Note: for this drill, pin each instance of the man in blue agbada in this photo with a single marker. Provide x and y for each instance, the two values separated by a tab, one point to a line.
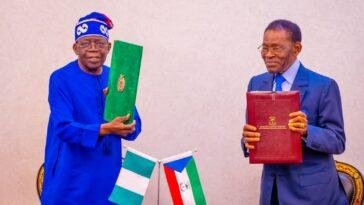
83	152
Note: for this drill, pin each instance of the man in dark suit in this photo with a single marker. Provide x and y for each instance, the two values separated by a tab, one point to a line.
320	123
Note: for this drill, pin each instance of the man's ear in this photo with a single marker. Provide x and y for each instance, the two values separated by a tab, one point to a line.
109	47
297	48
75	49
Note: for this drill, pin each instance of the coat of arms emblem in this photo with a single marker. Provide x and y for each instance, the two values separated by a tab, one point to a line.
121	83
272	121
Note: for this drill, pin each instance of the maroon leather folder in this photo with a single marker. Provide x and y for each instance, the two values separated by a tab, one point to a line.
269	112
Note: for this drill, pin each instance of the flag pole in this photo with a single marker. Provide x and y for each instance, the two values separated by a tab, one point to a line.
159	172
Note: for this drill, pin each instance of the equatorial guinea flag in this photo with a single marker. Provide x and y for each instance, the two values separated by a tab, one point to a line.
183	180
133	179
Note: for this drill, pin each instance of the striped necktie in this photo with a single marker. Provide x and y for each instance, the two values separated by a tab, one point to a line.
279	79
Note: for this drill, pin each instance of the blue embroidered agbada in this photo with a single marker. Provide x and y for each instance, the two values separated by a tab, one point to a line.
80	166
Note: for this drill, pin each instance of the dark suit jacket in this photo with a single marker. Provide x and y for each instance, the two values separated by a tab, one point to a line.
315	181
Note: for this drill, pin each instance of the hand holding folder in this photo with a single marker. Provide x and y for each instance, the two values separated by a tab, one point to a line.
117	126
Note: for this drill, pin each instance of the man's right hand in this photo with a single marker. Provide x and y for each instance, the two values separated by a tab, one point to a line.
250	135
118	127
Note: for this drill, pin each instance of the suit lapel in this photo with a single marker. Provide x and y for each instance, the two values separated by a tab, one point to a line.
300	82
267	83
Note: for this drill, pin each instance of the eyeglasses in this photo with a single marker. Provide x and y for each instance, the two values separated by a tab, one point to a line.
274	49
86	45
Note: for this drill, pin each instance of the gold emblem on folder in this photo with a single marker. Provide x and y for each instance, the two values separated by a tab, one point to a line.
121	83
272	124
272	121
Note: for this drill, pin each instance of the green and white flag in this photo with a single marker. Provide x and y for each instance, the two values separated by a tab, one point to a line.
133	179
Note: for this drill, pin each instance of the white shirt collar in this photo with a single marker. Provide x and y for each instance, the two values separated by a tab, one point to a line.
291	72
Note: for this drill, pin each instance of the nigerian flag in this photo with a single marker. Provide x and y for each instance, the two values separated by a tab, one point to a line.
133	179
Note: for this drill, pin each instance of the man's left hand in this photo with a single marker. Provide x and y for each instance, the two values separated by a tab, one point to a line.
298	122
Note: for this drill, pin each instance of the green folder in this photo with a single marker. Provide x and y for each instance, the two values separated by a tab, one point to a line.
123	80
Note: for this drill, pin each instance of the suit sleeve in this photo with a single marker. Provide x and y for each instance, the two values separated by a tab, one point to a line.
63	124
328	134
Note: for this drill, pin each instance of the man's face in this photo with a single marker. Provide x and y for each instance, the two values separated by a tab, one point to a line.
278	50
91	52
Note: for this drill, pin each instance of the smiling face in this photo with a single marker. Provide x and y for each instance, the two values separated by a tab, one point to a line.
278	50
92	52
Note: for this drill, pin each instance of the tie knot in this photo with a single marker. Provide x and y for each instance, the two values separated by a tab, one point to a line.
279	79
